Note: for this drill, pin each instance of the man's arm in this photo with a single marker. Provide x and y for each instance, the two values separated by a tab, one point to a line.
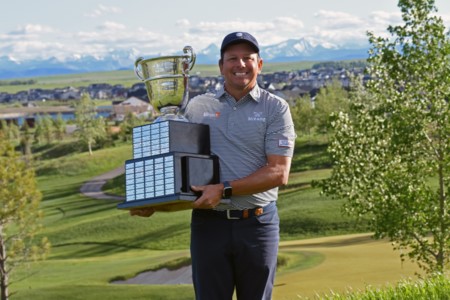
274	174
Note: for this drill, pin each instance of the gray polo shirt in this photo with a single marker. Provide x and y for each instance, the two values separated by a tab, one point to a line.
243	133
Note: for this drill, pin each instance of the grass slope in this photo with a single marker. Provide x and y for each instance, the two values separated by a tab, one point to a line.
93	242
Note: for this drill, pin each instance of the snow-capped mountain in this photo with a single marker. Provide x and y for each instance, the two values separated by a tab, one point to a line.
289	50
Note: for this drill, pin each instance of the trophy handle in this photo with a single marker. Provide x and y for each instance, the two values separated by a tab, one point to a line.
138	68
189	59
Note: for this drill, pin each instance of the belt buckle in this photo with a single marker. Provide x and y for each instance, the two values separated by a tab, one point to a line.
229	217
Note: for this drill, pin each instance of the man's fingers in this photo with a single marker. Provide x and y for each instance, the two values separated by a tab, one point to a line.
142	212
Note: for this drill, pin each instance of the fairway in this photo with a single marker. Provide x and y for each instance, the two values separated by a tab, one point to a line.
93	243
351	261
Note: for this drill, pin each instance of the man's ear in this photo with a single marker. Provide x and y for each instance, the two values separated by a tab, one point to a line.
260	65
220	65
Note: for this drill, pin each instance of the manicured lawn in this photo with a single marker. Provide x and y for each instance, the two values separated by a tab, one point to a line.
94	243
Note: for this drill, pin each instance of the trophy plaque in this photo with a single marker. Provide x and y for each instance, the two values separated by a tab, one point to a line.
170	154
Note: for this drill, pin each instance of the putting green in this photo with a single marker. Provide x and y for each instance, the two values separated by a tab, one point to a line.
350	262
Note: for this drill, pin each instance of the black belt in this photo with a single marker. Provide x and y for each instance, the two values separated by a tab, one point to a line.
234	214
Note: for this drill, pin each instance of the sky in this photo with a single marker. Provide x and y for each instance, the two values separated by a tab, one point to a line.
32	29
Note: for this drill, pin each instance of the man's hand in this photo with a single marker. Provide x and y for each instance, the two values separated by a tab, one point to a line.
210	196
142	212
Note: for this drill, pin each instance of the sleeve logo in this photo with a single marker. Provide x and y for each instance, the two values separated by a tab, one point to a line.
285	143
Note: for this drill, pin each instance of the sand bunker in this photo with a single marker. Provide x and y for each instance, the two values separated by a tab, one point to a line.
162	276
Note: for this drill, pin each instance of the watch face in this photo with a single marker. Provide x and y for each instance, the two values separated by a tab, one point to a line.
227	190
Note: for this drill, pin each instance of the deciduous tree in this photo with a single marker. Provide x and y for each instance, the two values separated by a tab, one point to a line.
19	215
89	127
392	151
330	99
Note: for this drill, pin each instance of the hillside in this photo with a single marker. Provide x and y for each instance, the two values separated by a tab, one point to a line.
94	243
124	77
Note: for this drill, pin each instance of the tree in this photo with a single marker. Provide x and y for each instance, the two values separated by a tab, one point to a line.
59	126
26	140
19	215
126	127
391	153
10	131
303	115
89	127
48	128
330	99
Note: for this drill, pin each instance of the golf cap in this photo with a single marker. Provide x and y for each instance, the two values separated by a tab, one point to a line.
239	37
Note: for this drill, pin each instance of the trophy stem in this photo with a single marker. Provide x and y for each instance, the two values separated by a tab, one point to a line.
170	113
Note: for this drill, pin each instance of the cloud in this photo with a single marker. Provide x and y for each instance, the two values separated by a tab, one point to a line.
338	20
31	29
111	26
183	23
267	32
288	24
330	28
102	10
25	49
379	20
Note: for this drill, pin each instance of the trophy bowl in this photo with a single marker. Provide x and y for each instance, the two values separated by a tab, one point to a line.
166	82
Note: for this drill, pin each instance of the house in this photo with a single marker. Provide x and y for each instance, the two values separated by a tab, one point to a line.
132	105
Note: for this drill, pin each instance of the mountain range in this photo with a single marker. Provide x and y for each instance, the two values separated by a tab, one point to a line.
287	51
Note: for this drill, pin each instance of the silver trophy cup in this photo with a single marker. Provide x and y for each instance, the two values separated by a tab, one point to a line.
168	156
166	81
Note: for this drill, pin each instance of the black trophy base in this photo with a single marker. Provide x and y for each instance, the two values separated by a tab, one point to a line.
166	203
164	182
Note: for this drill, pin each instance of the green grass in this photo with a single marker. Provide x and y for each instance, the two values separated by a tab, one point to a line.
94	243
435	288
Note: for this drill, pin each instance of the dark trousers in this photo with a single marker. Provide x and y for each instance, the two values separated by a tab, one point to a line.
234	254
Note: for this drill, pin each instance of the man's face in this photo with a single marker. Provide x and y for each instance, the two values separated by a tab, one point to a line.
240	67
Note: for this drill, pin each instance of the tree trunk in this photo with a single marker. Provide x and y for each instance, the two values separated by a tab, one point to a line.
3	271
90	148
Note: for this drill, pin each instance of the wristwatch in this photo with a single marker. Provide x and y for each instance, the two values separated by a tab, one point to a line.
227	190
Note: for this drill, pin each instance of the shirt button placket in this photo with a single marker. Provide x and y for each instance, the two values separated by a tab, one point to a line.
232	120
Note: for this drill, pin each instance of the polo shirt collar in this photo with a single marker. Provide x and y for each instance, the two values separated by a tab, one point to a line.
255	93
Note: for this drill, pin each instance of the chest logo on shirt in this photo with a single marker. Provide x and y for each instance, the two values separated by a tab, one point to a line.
210	115
257	117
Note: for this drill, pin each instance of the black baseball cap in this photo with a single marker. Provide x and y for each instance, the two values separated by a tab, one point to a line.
239	37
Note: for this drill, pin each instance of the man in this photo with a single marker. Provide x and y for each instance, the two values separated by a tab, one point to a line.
234	243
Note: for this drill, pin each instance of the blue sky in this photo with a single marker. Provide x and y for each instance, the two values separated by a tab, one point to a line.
49	28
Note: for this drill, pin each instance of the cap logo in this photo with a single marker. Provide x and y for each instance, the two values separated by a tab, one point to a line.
239	34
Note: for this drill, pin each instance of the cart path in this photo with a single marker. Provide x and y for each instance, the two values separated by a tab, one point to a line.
93	187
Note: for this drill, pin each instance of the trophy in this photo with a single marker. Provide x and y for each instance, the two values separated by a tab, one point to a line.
171	154
166	81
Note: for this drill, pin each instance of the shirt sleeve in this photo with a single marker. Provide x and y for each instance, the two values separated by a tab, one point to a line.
280	137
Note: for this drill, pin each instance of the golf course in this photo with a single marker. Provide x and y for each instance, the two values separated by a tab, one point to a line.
94	244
